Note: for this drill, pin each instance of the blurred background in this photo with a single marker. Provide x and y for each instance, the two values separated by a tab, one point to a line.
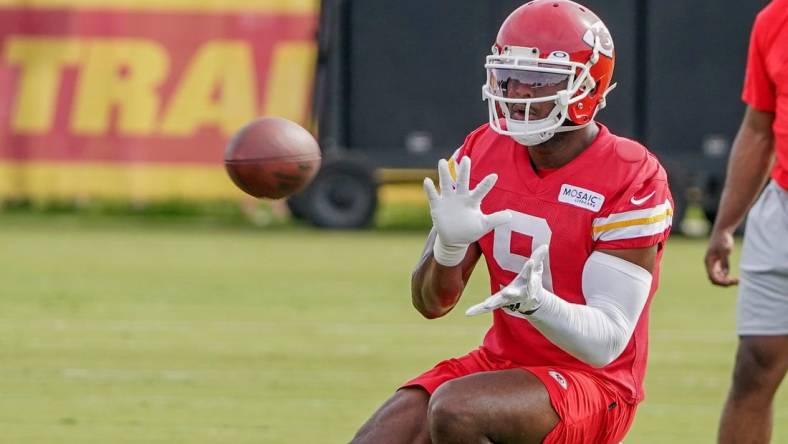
146	299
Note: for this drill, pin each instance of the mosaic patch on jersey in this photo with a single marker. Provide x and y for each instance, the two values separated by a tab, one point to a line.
581	197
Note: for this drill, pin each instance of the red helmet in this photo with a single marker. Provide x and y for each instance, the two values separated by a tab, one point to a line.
549	42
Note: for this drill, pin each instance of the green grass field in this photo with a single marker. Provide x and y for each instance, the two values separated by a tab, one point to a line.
135	332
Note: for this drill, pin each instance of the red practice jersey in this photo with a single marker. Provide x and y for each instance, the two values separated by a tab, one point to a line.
614	195
766	82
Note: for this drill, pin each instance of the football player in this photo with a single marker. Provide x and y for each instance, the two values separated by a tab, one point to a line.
571	221
756	185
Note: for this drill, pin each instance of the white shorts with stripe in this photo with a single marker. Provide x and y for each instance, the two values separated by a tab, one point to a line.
762	306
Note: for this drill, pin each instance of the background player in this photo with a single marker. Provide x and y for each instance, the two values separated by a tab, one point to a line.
571	221
762	307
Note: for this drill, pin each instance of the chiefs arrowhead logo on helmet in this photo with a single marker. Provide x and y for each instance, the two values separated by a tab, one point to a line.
599	31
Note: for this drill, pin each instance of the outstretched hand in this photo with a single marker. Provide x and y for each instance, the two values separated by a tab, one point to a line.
456	212
523	294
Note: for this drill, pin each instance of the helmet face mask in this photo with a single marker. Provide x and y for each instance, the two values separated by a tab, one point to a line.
539	110
529	70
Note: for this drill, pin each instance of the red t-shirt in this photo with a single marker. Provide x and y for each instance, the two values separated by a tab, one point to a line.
766	80
613	195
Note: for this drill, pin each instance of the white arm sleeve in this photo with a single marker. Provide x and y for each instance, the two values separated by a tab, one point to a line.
616	291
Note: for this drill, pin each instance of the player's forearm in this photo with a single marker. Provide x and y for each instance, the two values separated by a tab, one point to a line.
748	169
435	289
590	334
598	332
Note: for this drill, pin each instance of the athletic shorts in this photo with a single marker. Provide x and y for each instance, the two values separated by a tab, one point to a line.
762	305
590	410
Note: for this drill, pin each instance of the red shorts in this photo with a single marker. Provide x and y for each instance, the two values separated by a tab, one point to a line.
590	410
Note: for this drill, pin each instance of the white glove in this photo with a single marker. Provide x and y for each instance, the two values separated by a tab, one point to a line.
523	294
456	213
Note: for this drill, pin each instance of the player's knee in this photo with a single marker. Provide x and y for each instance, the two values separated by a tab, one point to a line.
757	371
750	380
448	414
405	411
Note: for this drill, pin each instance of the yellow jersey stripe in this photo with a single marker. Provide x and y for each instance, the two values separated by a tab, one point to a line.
631	222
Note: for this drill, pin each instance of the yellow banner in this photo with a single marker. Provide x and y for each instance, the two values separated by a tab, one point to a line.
138	98
269	6
42	181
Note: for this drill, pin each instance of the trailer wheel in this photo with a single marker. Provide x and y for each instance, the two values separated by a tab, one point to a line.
344	194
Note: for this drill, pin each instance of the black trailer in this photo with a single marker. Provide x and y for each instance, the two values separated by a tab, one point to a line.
398	87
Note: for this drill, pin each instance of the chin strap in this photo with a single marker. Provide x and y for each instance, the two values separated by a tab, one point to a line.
534	139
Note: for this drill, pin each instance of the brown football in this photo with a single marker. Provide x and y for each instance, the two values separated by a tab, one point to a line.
272	157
